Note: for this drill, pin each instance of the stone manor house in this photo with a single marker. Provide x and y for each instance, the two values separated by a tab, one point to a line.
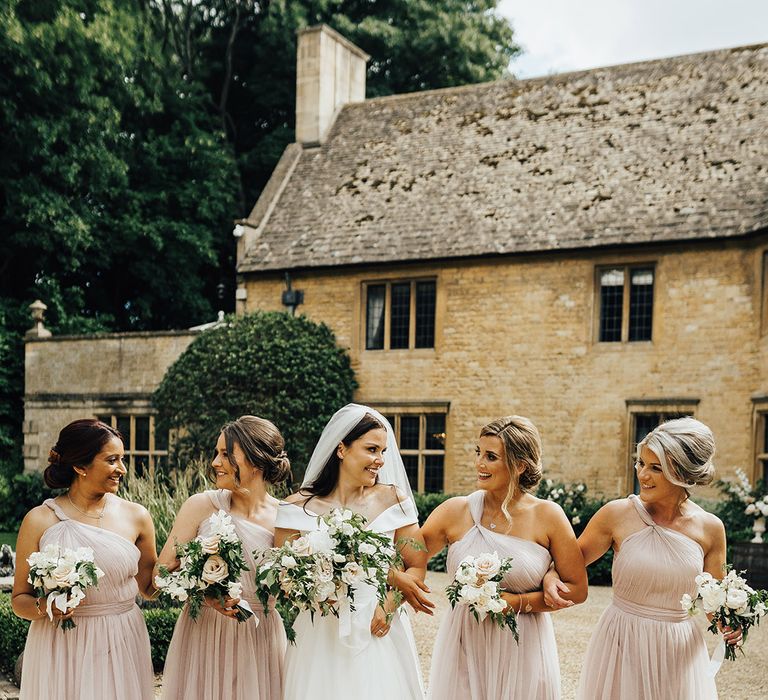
588	249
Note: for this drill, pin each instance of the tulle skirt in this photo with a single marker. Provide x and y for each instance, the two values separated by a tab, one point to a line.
478	660
105	656
216	657
636	657
320	667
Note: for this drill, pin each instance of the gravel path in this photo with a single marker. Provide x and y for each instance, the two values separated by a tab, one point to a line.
744	679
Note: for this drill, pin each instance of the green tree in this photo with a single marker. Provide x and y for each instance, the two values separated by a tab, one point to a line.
284	368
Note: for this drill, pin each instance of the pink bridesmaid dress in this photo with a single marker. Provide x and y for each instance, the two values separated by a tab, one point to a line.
645	647
107	654
480	661
216	657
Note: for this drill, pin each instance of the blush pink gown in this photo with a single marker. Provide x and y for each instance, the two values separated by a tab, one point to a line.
645	647
107	654
216	657
475	660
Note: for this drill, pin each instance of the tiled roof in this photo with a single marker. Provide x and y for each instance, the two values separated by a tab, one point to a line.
667	150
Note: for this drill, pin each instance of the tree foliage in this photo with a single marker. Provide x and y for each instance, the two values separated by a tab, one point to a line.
284	368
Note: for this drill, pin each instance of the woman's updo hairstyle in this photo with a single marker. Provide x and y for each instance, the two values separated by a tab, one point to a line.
77	446
263	446
522	448
685	447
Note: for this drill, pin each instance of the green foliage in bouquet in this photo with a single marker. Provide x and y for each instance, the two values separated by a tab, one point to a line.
271	364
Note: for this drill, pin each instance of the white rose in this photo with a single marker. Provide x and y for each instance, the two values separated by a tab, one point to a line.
65	575
215	569
320	542
210	544
750	509
469	594
301	546
352	573
324	570
489	589
367	548
736	599
347	514
487	565
466	574
323	590
713	598
288	562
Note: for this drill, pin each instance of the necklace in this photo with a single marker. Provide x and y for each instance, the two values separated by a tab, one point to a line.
491	524
86	514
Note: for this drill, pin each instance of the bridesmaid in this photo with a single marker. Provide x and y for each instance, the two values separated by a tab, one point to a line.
107	654
216	656
644	646
479	660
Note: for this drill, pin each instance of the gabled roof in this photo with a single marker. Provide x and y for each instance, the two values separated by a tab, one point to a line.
667	150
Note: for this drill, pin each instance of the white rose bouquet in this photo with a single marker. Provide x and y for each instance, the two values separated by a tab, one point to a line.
315	571
730	602
210	566
477	584
61	576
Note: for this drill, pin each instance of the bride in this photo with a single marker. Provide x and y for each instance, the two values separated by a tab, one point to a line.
355	465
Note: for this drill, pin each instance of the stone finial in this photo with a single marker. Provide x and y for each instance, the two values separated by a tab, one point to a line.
330	72
38	309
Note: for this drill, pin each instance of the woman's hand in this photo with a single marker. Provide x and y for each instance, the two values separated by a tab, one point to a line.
730	636
58	616
381	621
413	590
229	608
552	586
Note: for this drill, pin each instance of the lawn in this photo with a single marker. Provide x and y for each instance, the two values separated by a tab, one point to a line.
8	538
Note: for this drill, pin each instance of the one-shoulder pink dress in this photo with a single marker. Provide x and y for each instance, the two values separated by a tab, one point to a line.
219	657
475	660
645	647
107	654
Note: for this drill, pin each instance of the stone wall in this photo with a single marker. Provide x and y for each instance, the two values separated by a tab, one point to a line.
70	377
518	335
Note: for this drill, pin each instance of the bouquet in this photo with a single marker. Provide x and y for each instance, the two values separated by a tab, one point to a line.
476	584
730	602
61	575
210	566
320	570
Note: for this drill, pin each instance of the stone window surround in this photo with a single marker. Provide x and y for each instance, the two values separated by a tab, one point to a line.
759	438
388	282
627	267
661	406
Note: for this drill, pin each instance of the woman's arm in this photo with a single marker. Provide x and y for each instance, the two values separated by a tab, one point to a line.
714	564
410	580
148	552
193	511
23	600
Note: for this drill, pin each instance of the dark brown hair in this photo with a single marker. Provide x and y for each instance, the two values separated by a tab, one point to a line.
77	446
263	447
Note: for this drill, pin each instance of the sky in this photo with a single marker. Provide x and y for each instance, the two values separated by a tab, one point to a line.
565	35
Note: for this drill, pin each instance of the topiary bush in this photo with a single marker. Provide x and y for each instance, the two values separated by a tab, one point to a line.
284	368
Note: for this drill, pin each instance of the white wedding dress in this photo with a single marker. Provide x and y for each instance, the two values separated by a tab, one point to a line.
339	659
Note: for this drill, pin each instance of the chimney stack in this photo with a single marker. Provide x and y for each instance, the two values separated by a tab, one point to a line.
330	72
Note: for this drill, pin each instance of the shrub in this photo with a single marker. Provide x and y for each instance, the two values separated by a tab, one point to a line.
14	634
287	369
160	624
19	494
163	495
738	495
425	504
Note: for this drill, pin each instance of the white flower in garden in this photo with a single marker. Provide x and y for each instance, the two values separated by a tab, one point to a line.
750	509
580	488
210	544
301	546
762	506
487	565
320	542
575	520
288	562
215	569
367	548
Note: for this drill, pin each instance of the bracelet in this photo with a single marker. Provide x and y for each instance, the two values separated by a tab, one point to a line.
520	607
37	607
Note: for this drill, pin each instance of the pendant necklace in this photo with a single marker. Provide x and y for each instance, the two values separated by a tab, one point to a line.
89	515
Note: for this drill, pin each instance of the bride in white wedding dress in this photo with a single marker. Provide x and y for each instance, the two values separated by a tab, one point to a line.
371	654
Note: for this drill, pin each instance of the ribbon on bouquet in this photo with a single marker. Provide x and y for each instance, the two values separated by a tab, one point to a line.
245	605
718	656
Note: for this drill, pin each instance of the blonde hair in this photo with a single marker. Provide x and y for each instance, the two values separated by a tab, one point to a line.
685	447
522	447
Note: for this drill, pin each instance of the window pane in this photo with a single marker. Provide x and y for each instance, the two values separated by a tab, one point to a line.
425	314
641	305
140	465
124	426
105	419
433	473
409	432
411	463
400	320
435	431
374	319
611	301
142	433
